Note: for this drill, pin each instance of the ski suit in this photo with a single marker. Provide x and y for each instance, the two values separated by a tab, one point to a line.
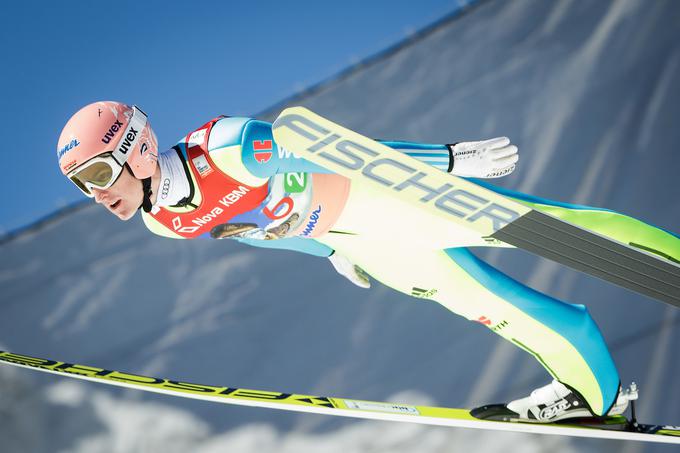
279	201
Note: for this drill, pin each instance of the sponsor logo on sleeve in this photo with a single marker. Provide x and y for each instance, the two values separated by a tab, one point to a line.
285	154
262	151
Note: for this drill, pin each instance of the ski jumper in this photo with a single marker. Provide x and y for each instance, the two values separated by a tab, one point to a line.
247	188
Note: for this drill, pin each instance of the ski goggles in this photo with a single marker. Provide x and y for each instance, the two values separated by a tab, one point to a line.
102	171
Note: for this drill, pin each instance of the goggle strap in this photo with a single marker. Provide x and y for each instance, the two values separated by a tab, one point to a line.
125	145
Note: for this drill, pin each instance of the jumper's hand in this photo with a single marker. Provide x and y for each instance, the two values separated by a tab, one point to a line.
485	159
352	272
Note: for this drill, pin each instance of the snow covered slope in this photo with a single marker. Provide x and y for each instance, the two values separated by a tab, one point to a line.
590	92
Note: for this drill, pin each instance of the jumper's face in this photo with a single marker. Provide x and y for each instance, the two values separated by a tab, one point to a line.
123	198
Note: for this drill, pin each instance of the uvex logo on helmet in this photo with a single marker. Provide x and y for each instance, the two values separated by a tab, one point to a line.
129	138
115	127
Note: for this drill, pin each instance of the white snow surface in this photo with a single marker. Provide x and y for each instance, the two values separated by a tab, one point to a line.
589	90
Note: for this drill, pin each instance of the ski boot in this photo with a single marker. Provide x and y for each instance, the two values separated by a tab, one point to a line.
551	403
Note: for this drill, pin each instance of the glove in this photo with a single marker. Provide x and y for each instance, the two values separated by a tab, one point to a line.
352	272
486	159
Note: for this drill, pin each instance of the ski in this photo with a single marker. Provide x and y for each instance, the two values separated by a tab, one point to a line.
607	428
491	215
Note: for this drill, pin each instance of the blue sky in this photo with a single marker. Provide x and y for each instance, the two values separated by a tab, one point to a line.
182	62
